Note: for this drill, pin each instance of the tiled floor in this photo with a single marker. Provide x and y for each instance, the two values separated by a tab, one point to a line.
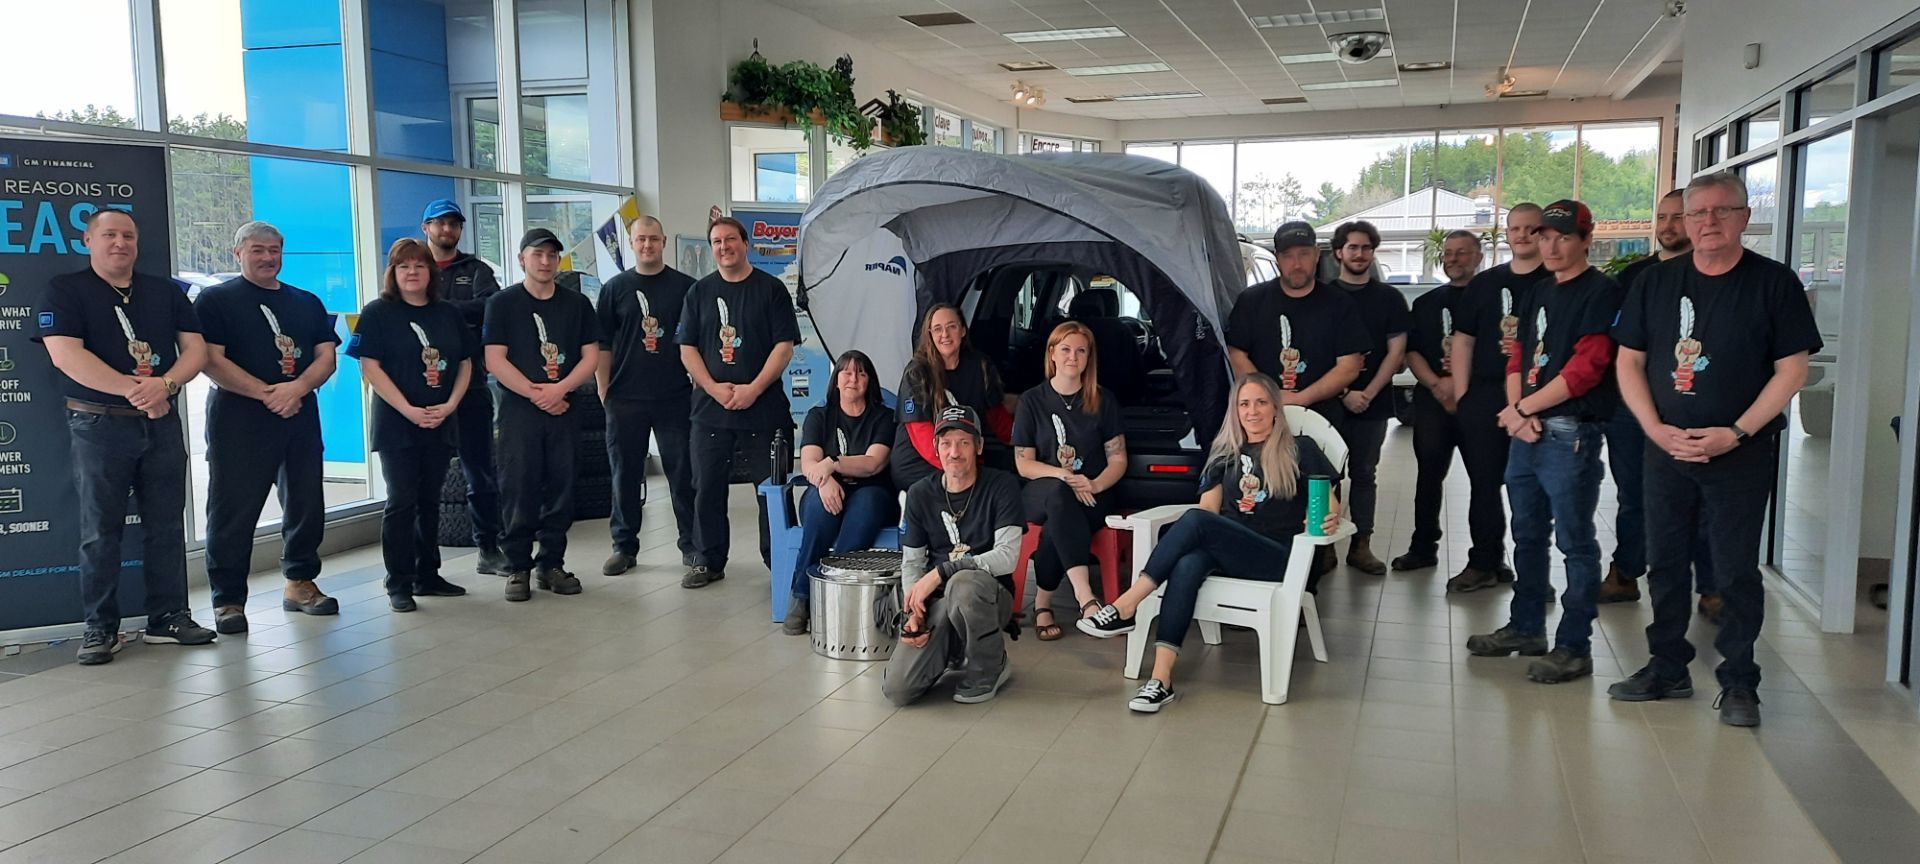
640	722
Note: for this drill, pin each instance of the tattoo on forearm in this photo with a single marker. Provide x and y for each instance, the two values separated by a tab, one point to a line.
1026	452
1116	446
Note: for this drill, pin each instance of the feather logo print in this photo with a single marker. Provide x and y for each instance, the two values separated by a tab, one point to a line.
1446	340
1509	324
1064	453
650	330
1539	348
729	335
1252	491
1688	359
144	357
289	352
1291	364
429	356
549	352
959	549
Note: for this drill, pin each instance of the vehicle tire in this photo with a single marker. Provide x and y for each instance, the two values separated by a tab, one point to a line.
592	497
1403	406
456	524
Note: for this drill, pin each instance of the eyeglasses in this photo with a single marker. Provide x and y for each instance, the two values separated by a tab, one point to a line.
1720	214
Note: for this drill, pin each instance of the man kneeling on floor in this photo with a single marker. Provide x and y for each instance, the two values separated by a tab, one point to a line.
968	519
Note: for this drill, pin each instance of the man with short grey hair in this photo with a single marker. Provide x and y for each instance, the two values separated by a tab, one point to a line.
269	347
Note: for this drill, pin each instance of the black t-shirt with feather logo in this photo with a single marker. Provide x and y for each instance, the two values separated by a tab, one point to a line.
1063	432
1555	317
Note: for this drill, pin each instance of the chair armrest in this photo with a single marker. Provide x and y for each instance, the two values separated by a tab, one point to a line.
1149	520
1345	530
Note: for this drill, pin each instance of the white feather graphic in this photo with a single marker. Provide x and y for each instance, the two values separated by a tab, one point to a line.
842	435
1540	325
1059	431
1506	302
644	308
953	527
540	326
271	321
1446	322
1686	318
125	325
1246	464
1286	332
722	303
421	334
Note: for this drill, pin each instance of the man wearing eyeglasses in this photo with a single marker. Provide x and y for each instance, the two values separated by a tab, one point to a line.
1364	426
1715	427
1627	447
1430	359
1485	333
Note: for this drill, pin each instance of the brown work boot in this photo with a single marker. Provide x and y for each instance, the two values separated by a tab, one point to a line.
304	596
230	620
1360	556
1617	588
1710	608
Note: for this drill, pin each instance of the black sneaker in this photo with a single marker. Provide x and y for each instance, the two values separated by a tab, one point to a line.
1105	623
436	586
176	629
556	580
701	577
688	559
1416	561
1560	665
98	647
1644	686
401	602
492	562
519	587
1738	706
798	611
1505	641
1472	579
1152	696
617	563
975	697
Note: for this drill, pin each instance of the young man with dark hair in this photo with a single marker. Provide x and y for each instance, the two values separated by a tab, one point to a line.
1485	336
1714	429
1384	313
737	332
1436	435
124	343
468	283
542	343
1560	392
644	387
269	347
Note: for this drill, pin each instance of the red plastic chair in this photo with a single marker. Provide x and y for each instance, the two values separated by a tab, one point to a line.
1114	558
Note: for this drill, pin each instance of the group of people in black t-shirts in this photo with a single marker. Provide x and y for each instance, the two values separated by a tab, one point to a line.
1527	370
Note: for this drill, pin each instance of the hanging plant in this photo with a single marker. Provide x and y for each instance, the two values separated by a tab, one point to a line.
802	88
900	124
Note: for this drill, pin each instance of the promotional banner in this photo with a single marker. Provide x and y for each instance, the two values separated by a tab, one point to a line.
47	189
773	242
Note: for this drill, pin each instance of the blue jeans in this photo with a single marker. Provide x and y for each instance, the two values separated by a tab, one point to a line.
864	512
1626	458
112	456
1553	486
1201	544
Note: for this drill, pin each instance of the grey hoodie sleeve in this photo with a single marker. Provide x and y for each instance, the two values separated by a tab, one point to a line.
913	565
998	561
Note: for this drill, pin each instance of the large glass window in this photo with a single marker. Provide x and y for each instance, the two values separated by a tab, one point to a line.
1619	164
1168	153
984	138
1763	197
1898	65
1827	97
1465	176
946	129
569	103
429	62
273	75
1536	165
575	216
769	165
1214	164
1763	126
35	87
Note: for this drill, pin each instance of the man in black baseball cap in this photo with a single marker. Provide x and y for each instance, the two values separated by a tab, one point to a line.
542	344
468	283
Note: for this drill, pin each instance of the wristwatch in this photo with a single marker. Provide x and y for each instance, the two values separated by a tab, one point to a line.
1739	435
172	388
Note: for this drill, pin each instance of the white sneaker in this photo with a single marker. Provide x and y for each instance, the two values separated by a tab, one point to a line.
1152	696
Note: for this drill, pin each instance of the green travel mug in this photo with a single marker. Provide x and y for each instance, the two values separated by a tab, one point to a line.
1319	486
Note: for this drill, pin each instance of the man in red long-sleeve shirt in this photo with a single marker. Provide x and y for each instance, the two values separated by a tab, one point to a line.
1560	392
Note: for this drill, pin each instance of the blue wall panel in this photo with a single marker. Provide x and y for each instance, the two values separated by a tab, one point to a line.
296	97
410	28
413	113
403	195
283	23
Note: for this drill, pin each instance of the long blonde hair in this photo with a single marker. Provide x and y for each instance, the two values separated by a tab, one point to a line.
1090	376
1279	456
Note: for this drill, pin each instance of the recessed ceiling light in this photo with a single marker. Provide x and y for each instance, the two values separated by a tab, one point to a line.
1325	56
936	19
1310	19
1351	85
1117	69
1425	66
1520	94
1066	35
1027	66
1285	100
1089	100
1143	97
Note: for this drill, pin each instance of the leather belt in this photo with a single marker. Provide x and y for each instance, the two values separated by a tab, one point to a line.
106	410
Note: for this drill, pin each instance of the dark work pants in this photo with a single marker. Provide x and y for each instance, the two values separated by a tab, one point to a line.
1365	438
713	452
1732	493
474	419
864	512
630	426
1198	545
1068	526
250	450
112	456
410	521
535	455
1626	458
1483	450
1436	434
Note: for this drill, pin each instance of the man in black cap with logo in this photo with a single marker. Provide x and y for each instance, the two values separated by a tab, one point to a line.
124	343
1560	392
542	343
737	332
269	347
468	283
956	565
1714	428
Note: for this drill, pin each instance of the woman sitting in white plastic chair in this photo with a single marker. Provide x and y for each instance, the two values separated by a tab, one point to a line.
1258	461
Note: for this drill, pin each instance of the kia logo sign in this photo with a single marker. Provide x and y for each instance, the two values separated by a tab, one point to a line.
764	231
897	266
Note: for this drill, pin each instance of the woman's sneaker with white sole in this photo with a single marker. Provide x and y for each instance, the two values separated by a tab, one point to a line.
1105	623
1152	696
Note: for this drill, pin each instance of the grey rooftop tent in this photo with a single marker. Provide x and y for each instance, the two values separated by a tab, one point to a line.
899	230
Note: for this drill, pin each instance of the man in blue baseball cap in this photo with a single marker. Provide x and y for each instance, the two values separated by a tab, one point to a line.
467	282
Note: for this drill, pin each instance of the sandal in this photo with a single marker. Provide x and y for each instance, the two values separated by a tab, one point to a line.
1049	631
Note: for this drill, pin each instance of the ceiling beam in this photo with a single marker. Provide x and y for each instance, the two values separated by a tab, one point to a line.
1668	48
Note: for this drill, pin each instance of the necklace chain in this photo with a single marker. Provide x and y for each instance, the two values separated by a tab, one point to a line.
962	511
126	294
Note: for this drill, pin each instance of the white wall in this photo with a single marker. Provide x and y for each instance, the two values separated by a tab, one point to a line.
1794	36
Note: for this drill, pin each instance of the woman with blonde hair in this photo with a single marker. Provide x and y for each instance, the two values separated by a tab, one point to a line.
1253	501
1068	444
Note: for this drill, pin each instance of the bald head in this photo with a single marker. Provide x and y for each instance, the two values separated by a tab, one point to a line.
649	240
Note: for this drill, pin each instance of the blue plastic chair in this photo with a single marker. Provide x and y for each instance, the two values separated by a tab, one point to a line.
783	529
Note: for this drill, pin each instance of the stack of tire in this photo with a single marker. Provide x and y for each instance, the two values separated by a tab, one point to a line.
456	524
592	475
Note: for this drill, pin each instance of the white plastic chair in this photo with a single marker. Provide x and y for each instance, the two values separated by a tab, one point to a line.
1273	610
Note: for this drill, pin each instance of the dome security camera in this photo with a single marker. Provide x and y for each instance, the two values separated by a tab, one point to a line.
1357	47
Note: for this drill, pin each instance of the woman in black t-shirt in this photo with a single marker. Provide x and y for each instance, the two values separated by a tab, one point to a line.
416	352
1067	443
843	453
946	370
1253	500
